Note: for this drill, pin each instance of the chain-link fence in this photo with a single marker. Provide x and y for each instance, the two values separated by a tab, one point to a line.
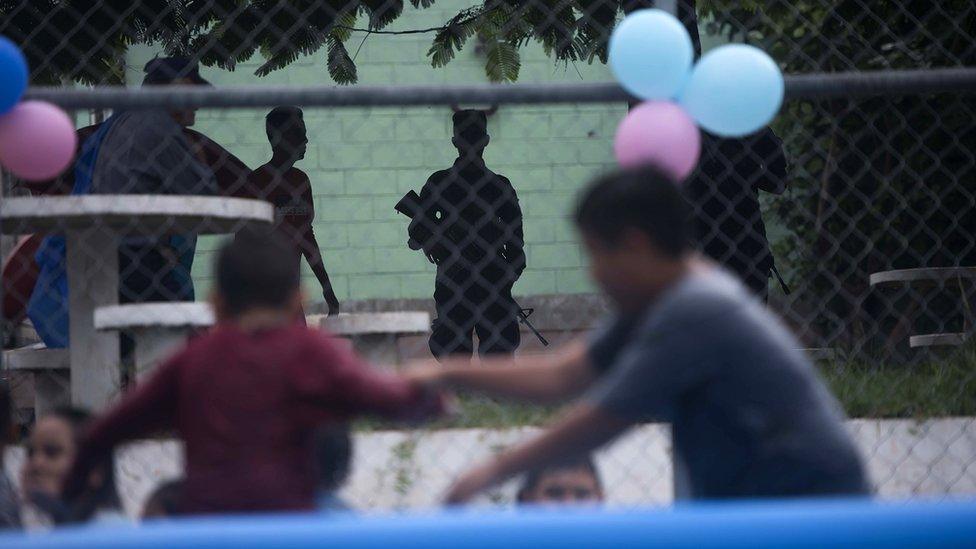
852	214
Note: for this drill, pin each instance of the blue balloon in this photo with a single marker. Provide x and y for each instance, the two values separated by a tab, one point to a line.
734	90
13	74
651	54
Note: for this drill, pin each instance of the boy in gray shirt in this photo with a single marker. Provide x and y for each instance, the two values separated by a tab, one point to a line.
688	346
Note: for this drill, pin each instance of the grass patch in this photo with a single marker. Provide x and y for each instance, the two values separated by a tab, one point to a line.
477	411
939	387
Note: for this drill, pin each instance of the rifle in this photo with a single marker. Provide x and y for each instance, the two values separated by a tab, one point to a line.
523	316
409	206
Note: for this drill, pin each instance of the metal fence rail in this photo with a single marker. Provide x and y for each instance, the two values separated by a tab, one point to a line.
804	86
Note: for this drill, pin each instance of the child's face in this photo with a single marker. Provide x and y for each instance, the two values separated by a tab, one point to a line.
566	487
612	267
50	454
623	269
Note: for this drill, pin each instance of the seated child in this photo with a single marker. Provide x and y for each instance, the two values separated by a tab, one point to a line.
573	482
51	449
247	397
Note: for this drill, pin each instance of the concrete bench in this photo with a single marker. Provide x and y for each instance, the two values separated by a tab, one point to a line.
375	335
158	329
937	340
49	370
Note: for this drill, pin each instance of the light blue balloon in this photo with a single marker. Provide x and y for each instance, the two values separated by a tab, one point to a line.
734	90
651	54
13	74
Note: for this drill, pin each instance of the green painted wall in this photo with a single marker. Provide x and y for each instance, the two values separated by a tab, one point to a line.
361	161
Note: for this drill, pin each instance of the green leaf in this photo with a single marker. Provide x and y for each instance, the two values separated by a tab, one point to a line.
448	41
382	12
503	62
341	67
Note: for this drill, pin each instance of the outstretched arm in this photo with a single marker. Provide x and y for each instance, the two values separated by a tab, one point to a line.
582	429
335	380
148	408
539	378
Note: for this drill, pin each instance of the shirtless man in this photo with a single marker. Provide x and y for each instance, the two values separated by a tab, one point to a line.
278	181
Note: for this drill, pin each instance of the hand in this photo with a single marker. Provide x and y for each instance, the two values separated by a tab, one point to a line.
427	373
333	305
471	484
170	256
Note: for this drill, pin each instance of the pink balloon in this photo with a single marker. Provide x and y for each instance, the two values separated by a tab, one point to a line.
659	133
37	140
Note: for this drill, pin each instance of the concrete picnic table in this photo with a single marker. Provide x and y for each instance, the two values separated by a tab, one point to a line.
930	276
92	226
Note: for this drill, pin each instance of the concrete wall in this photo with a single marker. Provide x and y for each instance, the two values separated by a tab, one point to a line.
361	161
412	469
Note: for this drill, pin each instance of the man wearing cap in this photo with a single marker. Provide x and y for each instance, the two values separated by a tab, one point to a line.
146	152
132	152
470	226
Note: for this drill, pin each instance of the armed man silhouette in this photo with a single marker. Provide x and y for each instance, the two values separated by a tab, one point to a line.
468	221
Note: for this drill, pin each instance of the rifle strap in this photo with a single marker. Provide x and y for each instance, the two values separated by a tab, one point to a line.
782	283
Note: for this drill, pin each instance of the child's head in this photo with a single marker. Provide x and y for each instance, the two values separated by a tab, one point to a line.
51	449
571	482
286	132
634	225
256	271
164	502
333	453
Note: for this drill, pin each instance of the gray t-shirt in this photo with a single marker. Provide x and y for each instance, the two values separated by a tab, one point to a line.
749	415
146	152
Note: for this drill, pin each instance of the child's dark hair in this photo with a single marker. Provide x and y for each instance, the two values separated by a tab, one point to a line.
166	498
333	453
640	198
256	269
280	120
534	477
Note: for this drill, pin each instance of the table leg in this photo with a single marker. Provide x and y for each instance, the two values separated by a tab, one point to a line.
93	281
50	391
155	346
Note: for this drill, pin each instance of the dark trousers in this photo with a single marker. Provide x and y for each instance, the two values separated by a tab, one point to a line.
469	304
146	275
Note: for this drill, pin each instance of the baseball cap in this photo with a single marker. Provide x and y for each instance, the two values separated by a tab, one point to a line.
164	70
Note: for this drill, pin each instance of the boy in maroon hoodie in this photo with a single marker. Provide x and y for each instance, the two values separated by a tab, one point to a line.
247	397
